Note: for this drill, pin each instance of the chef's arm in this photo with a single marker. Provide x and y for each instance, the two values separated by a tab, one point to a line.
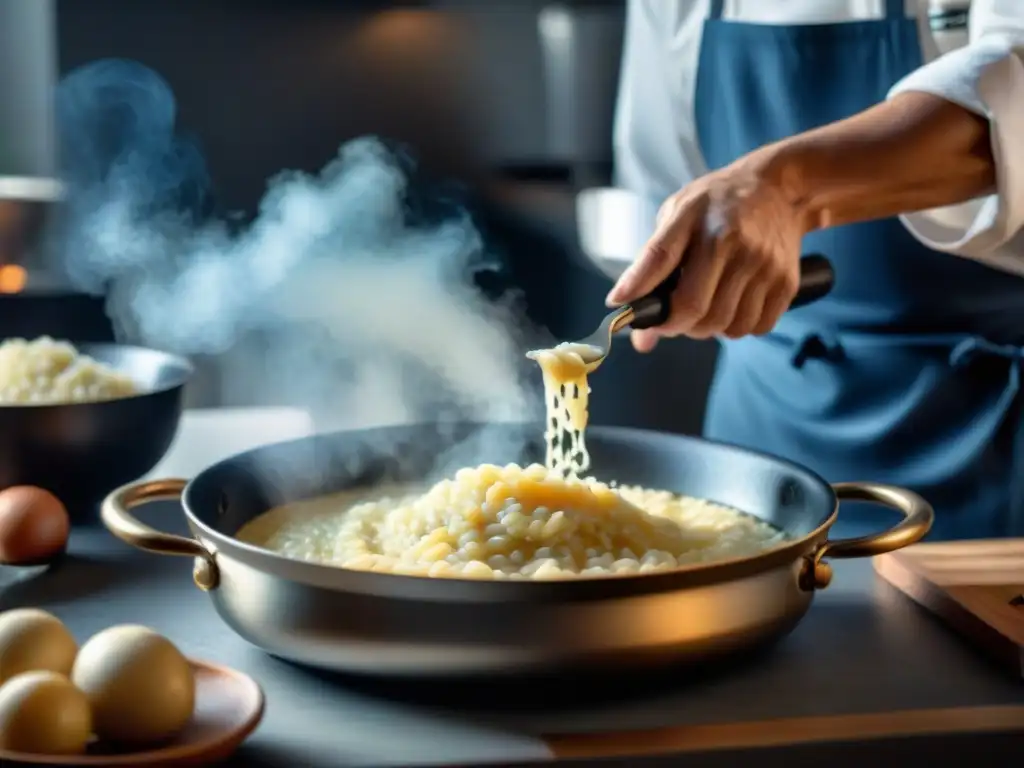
945	151
913	152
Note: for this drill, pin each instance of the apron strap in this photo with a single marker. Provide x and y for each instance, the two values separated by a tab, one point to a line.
895	9
716	10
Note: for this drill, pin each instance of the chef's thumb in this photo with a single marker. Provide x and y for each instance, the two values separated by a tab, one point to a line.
658	259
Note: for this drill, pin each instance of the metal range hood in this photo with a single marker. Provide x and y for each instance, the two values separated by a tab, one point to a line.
581	45
28	75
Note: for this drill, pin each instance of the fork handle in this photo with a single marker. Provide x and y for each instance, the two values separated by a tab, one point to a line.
816	279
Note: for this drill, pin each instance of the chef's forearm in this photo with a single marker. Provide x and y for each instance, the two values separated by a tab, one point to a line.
913	152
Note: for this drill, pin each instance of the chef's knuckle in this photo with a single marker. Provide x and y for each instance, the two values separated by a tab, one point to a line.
743	324
789	282
771	318
656	255
717	318
683	318
668	208
763	325
699	306
739	259
729	243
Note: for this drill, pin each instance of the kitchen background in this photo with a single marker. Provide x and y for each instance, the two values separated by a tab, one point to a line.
511	98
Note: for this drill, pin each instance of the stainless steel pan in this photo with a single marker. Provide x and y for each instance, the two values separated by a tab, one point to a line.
408	626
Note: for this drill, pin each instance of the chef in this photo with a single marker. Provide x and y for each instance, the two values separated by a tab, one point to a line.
767	130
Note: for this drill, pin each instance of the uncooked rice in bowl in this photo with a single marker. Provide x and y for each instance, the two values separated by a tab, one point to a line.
45	371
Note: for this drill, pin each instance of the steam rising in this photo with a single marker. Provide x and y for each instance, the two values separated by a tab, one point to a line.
330	295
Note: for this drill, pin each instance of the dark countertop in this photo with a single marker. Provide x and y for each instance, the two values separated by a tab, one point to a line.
862	648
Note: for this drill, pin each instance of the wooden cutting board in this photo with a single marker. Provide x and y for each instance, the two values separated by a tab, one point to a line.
977	587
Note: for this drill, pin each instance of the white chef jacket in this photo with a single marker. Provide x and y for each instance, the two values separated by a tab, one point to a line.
656	146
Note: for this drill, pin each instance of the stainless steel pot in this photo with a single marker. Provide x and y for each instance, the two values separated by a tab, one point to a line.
613	225
408	626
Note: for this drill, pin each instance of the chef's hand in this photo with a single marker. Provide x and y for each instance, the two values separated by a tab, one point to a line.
737	235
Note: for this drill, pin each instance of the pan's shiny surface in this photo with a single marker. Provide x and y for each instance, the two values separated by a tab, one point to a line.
80	451
402	625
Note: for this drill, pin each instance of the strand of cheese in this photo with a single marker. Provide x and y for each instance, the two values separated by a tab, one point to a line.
567	397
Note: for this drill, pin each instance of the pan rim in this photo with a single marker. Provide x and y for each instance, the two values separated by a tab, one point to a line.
583	588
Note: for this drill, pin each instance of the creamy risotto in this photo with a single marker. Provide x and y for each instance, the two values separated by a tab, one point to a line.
49	371
512	522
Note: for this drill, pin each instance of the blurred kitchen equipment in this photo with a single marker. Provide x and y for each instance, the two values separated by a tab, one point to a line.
28	73
387	624
81	451
581	45
816	279
33	301
613	225
976	587
20	226
28	144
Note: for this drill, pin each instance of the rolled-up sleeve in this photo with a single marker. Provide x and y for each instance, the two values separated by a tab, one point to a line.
648	157
986	77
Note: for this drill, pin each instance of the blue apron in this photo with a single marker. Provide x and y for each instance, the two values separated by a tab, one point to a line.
909	372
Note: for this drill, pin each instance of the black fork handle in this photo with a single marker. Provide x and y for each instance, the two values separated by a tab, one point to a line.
816	280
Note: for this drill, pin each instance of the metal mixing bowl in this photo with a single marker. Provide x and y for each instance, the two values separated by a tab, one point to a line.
81	451
385	624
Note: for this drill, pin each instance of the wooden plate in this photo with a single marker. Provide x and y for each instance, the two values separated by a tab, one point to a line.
229	706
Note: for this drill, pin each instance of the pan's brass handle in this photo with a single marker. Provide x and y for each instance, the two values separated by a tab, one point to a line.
117	516
918	517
